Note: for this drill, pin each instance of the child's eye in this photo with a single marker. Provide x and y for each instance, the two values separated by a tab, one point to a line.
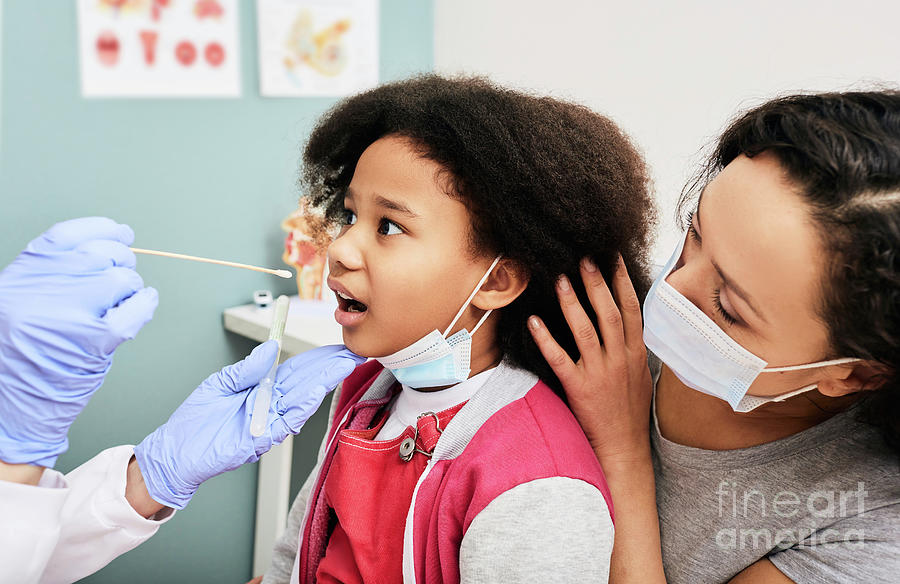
349	217
388	227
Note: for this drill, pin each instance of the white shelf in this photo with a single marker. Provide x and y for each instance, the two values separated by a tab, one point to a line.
310	323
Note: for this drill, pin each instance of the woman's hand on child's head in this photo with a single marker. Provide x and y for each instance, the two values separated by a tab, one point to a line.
609	388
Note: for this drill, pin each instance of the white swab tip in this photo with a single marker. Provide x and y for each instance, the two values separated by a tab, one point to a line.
284	273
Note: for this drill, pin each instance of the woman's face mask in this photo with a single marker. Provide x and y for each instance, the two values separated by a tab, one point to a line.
701	354
746	281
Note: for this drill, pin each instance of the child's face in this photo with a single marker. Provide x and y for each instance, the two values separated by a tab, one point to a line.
403	252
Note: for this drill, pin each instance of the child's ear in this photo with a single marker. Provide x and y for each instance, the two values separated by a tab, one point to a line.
506	282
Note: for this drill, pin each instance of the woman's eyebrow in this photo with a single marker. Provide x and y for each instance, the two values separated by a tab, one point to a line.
394	206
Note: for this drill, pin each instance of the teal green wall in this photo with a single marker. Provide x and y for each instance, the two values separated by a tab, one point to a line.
207	177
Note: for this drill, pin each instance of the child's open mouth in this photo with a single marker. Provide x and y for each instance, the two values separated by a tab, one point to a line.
350	310
348	304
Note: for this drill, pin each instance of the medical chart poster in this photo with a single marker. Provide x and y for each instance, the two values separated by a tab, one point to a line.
317	47
159	48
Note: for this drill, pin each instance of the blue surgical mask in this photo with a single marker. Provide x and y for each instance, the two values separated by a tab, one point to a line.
435	359
701	354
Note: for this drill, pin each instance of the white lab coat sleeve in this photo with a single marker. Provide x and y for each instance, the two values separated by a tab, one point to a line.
29	526
70	526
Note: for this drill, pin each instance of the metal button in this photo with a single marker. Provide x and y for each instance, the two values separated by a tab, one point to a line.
407	448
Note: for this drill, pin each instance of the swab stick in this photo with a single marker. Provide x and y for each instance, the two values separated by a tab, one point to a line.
181	256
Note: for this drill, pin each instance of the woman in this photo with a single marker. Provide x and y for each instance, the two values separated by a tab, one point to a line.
747	469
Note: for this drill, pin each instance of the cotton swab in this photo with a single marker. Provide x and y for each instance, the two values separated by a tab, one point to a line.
181	256
260	413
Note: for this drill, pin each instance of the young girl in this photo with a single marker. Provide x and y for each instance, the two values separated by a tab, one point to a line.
776	416
450	457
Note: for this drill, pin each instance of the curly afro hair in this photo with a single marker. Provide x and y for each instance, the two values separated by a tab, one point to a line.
545	182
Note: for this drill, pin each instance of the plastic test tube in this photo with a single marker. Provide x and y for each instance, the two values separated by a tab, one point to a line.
260	417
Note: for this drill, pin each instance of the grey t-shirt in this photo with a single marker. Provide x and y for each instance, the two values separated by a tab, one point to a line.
823	505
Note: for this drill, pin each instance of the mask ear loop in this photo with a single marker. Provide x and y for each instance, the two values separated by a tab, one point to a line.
469	299
481	321
804	389
811	365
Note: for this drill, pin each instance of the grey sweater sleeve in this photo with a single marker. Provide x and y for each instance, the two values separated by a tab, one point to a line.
556	529
285	550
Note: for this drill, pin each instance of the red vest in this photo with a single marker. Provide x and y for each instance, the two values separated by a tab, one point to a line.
368	490
530	438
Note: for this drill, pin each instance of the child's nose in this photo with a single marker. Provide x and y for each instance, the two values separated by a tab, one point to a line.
344	252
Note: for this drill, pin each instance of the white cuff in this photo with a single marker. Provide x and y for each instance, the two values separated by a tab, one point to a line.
109	475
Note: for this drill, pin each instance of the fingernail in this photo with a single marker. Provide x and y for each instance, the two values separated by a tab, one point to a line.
563	283
534	323
588	265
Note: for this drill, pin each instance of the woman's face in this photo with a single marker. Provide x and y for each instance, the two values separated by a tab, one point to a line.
753	262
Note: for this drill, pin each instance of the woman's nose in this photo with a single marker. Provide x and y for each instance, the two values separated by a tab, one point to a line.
344	252
692	277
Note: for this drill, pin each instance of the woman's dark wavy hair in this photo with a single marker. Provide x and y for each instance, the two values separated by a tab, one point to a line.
843	152
546	183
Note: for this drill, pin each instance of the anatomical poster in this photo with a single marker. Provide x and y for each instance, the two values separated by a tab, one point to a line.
159	48
317	47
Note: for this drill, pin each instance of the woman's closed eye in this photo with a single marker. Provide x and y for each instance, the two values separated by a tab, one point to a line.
693	233
717	293
717	304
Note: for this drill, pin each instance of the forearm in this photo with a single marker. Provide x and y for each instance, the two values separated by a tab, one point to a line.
136	492
26	474
637	554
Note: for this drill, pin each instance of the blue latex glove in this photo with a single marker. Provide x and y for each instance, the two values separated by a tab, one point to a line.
210	432
66	303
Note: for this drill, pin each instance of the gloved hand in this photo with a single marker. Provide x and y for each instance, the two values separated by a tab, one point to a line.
210	432
66	303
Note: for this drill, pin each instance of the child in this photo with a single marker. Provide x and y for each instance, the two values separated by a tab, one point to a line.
459	205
